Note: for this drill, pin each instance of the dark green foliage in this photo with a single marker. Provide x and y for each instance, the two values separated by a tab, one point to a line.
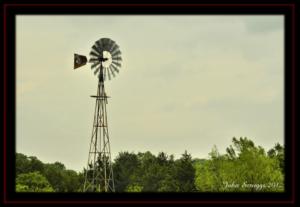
124	167
54	173
72	181
146	172
22	164
184	173
28	164
244	167
155	173
57	176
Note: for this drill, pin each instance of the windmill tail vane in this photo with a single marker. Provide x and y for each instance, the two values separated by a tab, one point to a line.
79	60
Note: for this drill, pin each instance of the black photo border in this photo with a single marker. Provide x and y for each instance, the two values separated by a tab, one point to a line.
9	67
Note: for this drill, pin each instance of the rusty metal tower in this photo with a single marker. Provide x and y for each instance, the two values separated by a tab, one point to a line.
106	61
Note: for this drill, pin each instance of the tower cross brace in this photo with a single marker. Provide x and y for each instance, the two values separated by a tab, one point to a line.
99	173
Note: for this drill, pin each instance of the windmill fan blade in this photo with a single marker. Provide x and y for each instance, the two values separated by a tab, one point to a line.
108	41
115	68
118	58
95	64
111	44
99	44
96	71
93	60
112	72
114	48
103	42
93	53
96	50
106	44
116	63
108	47
108	74
116	53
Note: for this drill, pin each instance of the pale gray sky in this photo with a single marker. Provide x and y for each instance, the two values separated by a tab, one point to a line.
187	83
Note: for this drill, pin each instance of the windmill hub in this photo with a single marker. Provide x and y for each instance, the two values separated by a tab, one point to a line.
103	59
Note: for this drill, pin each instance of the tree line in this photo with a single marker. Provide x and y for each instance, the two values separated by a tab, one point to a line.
244	167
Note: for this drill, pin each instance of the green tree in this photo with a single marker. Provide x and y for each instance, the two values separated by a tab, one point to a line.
254	169
124	168
81	178
22	164
72	181
147	175
154	174
184	173
35	164
167	182
61	179
32	182
25	164
204	180
277	152
55	175
244	167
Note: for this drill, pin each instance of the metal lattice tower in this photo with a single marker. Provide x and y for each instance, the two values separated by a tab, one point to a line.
106	62
99	172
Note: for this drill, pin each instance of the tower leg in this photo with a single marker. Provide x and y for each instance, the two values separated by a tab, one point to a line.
99	173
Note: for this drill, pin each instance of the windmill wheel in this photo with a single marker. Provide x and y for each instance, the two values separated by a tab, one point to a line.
106	59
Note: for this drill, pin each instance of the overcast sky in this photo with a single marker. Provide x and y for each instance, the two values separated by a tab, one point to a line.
187	83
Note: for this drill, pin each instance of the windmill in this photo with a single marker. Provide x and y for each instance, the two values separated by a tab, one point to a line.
105	59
